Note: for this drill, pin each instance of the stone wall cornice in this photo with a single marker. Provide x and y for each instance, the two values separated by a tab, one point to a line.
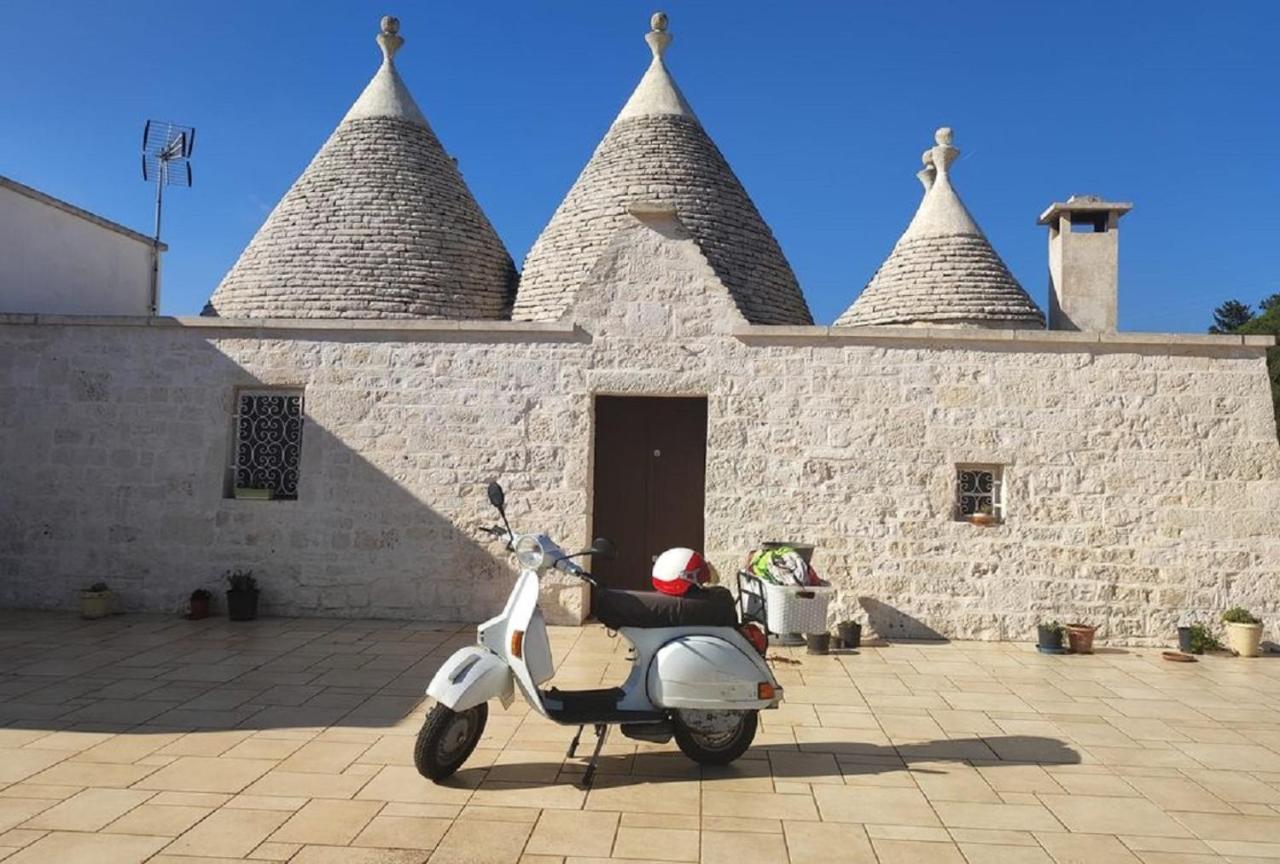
764	334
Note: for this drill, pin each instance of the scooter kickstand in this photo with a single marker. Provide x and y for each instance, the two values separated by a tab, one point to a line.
573	745
602	732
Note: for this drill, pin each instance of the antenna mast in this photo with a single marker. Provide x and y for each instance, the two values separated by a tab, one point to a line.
166	161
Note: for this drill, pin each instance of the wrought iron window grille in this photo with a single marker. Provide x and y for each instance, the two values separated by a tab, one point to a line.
268	443
979	489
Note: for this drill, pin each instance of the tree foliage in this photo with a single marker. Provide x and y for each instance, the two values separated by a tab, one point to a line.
1266	323
1229	316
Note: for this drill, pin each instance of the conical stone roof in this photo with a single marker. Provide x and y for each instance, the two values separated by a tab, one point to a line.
943	270
379	225
656	152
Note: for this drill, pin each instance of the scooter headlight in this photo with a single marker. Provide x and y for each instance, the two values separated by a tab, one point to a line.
529	553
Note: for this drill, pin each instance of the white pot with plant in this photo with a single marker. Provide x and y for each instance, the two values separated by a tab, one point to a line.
1244	631
96	601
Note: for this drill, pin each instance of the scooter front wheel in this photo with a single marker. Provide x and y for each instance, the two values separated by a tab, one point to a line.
714	737
447	739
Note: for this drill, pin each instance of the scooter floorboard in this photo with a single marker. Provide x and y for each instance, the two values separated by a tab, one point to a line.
586	707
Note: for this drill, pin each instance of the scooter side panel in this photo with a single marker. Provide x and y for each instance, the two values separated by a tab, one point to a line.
709	672
471	676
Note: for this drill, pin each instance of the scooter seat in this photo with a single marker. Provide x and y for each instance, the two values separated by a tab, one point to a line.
701	607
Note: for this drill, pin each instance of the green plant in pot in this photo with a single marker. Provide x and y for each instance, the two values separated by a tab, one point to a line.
1196	639
1244	631
1049	637
199	604
96	601
242	595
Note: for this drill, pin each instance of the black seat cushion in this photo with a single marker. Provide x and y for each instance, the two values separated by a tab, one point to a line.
701	607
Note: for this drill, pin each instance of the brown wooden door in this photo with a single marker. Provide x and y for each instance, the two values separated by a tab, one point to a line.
649	486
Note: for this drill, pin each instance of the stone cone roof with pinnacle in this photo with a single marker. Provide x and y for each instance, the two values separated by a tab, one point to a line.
379	225
943	270
656	152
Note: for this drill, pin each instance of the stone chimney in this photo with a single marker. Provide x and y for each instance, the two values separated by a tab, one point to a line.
1084	254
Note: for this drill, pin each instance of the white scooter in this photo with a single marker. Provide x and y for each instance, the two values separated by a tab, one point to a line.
694	675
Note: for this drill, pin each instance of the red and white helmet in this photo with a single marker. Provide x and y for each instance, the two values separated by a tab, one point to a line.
677	569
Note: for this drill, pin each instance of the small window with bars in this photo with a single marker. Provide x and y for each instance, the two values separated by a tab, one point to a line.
979	493
268	444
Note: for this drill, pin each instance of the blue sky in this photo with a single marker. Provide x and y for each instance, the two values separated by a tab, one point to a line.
822	108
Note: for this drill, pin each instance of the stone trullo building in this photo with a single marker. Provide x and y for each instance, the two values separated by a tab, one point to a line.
654	376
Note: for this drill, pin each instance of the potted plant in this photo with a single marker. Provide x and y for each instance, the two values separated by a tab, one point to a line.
242	596
850	633
1196	639
1049	638
199	604
96	601
983	516
1244	631
1080	637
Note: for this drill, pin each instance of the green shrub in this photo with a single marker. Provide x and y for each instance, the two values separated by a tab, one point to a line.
1202	639
1239	615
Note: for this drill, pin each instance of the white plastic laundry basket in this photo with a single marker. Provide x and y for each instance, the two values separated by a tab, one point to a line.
785	608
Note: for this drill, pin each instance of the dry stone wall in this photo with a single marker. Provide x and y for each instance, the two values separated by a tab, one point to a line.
1143	477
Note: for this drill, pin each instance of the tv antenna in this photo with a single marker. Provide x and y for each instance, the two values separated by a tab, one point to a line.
166	161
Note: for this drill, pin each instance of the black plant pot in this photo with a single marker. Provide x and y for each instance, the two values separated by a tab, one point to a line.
819	643
850	634
1050	638
1184	640
242	605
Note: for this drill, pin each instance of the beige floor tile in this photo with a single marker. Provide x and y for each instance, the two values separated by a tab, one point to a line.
90	810
951	781
932	834
767	805
208	800
826	842
289	784
70	773
916	851
264	748
886	806
160	820
213	743
75	848
1086	849
1101	815
738	824
655	843
1004	817
274	851
570	832
245	801
1018	778
1096	784
985	853
1171	793
18	764
228	833
16	838
15	811
327	822
1233	757
477	842
323	757
722	848
560	796
206	774
1221	826
403	832
126	749
355	855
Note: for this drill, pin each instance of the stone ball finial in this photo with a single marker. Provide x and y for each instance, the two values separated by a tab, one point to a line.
943	136
659	22
390	39
658	38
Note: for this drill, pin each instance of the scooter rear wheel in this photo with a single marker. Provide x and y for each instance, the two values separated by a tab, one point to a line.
447	739
714	744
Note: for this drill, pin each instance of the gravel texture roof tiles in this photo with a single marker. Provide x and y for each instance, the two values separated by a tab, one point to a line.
943	269
379	225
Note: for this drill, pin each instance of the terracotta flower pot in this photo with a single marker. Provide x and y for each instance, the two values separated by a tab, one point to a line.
1080	638
982	519
199	607
1244	638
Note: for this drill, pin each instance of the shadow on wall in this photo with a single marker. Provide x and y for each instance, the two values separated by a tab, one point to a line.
119	472
889	622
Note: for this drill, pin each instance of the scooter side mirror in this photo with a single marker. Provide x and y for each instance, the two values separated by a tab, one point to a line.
603	547
497	497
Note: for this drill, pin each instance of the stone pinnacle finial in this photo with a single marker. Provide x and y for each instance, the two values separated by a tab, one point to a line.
658	37
390	39
939	157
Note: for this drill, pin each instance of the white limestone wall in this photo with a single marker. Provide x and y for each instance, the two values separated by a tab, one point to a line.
1143	474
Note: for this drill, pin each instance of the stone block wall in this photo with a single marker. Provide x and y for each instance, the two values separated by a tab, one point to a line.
1143	474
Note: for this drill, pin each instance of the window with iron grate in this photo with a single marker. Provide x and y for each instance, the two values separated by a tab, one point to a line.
979	492
267	450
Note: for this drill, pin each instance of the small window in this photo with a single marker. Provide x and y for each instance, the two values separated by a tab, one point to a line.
979	492
268	444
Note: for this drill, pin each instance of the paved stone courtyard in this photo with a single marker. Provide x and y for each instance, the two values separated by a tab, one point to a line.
144	738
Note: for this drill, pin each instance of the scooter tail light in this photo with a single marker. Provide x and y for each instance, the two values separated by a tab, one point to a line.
517	643
764	690
756	636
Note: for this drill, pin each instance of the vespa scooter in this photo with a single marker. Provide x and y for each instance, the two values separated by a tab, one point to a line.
694	675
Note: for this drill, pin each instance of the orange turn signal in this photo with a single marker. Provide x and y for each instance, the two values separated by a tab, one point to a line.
517	644
764	690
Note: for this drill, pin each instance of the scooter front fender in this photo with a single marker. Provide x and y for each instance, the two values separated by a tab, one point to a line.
471	676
